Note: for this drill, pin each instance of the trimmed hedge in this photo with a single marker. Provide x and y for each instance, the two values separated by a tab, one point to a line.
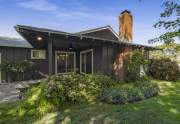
164	69
129	93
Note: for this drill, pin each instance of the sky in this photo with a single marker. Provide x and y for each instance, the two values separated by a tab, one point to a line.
77	15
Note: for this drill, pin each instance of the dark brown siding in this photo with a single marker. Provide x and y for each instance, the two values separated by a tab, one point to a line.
17	54
109	53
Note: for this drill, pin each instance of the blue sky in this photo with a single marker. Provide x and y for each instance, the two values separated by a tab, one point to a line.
77	15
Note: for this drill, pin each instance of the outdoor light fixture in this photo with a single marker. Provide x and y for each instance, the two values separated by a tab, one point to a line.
70	47
39	38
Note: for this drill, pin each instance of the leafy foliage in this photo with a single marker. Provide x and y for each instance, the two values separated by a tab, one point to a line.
171	51
169	21
76	88
138	60
164	69
129	92
17	68
57	91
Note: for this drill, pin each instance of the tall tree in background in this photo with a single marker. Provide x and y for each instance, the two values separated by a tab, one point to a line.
170	21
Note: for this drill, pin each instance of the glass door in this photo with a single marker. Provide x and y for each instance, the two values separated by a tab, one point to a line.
65	62
86	61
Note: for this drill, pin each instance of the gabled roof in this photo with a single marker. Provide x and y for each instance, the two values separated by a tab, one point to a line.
14	42
49	31
108	27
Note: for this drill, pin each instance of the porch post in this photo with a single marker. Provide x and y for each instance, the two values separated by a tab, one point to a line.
50	58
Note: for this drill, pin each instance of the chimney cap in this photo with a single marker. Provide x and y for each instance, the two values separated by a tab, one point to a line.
125	11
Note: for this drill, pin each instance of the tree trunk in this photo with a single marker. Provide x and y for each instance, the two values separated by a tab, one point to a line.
119	66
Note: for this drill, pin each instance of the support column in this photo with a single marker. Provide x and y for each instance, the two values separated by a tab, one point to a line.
50	56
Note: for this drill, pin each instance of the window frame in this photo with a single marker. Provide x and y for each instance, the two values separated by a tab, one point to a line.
92	60
66	52
40	58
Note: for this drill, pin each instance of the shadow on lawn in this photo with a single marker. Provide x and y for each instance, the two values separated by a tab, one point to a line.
164	108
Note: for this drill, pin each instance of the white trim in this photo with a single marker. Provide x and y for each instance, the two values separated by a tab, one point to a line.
32	57
92	59
99	29
74	53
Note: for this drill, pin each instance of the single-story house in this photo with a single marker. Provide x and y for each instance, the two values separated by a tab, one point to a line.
57	52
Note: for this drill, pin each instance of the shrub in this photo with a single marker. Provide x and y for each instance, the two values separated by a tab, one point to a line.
129	93
164	69
76	88
17	68
57	91
133	71
114	96
147	88
66	89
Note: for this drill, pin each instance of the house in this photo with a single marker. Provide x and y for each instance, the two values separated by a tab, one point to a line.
57	52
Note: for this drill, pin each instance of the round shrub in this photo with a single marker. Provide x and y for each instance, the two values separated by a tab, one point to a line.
164	69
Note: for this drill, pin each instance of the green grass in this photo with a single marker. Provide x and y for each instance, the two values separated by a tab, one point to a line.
163	109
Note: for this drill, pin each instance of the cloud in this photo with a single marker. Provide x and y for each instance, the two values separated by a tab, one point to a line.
39	5
81	15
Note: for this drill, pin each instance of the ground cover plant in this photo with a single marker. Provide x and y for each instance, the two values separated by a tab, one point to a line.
130	92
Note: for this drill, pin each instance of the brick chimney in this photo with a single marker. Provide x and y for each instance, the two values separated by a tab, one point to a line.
126	26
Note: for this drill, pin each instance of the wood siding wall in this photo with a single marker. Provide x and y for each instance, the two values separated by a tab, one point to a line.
104	56
17	54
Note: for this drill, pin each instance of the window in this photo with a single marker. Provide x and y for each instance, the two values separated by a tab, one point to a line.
86	61
38	54
65	62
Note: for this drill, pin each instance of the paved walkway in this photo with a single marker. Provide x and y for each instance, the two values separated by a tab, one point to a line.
9	91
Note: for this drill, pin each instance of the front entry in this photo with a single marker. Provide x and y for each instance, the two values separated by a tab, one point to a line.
86	61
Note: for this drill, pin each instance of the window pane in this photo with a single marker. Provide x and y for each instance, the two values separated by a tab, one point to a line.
86	62
42	54
61	62
83	63
38	54
35	54
70	62
89	62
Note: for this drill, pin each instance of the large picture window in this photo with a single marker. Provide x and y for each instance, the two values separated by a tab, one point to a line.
65	62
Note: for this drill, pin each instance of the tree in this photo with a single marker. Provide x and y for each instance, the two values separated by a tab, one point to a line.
169	21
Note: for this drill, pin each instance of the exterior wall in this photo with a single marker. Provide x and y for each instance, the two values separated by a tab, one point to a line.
17	54
109	53
104	57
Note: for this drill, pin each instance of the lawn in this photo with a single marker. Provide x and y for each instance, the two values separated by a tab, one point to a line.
163	109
